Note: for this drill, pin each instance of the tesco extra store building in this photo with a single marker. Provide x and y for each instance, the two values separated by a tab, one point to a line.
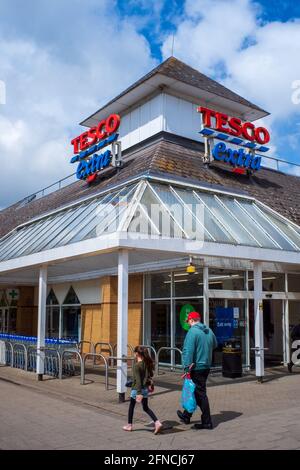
172	173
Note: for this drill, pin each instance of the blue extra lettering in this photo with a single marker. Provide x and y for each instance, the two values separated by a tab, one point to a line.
96	163
219	151
256	163
236	157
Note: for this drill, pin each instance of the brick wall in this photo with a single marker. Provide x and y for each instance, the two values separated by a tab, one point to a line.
99	321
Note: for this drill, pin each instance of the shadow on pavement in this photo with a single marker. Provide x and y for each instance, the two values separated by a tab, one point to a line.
170	427
224	416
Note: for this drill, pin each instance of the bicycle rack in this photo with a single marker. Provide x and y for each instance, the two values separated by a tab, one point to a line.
109	346
94	355
165	348
92	346
129	346
71	351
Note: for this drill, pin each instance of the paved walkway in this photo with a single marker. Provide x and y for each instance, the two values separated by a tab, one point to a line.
63	414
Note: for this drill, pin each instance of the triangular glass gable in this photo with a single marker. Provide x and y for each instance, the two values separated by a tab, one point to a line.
71	298
52	299
205	216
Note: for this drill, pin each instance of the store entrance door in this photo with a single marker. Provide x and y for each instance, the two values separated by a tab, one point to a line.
228	320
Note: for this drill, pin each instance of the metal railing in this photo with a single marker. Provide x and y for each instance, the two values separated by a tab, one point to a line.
67	180
48	189
278	162
165	348
94	355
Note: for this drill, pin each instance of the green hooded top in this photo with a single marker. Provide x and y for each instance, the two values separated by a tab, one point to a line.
198	346
140	376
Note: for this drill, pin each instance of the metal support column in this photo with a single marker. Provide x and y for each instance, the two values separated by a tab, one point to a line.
122	338
247	329
41	322
286	327
60	326
258	318
205	296
172	321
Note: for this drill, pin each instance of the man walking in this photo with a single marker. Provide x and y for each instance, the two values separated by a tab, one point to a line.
198	346
295	335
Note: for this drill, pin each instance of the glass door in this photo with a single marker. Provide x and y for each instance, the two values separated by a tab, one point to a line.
160	317
227	319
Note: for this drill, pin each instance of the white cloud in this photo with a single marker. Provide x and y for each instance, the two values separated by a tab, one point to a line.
59	64
260	61
212	31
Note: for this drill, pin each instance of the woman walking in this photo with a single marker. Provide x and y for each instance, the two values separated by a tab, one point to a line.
142	373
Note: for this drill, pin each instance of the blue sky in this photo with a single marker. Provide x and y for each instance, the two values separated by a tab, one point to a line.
60	60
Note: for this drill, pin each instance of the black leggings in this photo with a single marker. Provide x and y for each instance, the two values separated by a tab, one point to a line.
145	408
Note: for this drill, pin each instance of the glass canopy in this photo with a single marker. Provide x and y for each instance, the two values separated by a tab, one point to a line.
159	209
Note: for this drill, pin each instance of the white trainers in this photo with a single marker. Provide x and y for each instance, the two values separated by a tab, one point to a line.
158	427
127	427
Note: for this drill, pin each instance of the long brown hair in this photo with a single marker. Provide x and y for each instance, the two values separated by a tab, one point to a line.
144	353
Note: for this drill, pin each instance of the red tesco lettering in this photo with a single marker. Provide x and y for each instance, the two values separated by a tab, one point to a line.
105	128
234	126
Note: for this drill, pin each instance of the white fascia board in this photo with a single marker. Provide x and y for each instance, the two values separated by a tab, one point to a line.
84	248
187	247
122	240
164	265
18	281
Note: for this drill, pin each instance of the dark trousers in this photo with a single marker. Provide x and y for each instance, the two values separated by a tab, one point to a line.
145	408
199	377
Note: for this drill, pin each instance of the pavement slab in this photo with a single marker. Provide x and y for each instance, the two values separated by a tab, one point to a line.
62	414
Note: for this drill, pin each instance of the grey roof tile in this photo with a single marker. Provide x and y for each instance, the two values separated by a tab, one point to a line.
175	158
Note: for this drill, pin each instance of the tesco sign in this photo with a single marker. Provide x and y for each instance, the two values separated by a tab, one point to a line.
232	130
86	144
234	126
105	128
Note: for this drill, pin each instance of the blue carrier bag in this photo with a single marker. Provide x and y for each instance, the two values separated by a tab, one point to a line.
188	400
